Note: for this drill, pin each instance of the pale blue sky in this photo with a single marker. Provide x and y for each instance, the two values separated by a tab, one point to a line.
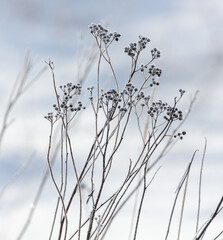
189	35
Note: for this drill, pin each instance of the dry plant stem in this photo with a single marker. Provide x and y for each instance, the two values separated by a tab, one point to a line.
135	188
109	162
50	64
200	181
182	207
108	140
83	224
72	158
12	101
54	218
36	199
98	77
82	174
153	147
61	184
38	194
146	65
98	93
96	129
128	181
204	228
145	187
165	149
54	181
117	143
68	141
134	65
17	174
123	204
178	192
133	68
63	175
86	70
108	60
86	221
121	138
15	94
218	235
103	175
81	59
143	136
139	127
168	144
112	69
19	87
78	184
62	180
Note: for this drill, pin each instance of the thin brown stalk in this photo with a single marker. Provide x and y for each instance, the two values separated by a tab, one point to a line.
184	178
218	235
182	207
213	216
54	181
200	182
145	187
19	87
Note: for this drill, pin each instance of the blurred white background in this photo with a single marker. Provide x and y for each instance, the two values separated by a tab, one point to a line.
190	37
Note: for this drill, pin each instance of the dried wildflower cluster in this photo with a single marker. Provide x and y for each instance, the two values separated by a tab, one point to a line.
159	107
66	102
180	135
135	48
155	53
102	33
154	83
51	117
171	113
142	42
113	111
130	89
111	101
181	92
174	114
111	95
155	71
155	109
140	96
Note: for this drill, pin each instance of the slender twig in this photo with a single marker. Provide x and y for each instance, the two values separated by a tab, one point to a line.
142	198
218	235
20	86
112	115
184	178
213	216
17	174
200	182
54	181
182	207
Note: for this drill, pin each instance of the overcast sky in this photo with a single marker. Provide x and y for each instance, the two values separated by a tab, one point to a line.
190	38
